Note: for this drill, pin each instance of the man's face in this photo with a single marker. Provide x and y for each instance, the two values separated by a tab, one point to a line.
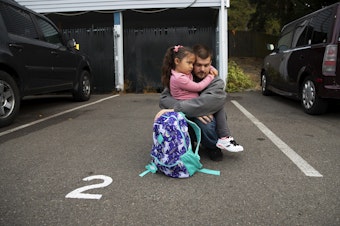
202	67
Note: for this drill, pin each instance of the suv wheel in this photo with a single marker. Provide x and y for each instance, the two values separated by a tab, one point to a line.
9	99
264	84
311	103
83	89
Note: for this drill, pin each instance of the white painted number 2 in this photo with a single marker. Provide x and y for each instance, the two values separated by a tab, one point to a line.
78	193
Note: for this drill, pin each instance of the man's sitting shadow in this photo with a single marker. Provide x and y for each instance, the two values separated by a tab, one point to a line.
206	154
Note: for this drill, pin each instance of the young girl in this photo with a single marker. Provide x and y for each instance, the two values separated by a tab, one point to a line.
176	75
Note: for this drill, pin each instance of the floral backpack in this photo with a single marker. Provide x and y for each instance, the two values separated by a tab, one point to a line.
172	152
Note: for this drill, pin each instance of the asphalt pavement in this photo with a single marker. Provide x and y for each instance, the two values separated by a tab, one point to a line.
69	163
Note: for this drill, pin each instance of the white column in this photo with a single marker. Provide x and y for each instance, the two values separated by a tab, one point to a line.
223	41
118	51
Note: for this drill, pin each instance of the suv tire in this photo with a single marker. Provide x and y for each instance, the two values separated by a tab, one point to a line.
83	90
264	84
9	99
311	103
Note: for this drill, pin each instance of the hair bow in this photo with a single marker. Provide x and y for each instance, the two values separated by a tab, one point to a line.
176	48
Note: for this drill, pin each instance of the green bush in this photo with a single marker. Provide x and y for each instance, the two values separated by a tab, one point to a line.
237	79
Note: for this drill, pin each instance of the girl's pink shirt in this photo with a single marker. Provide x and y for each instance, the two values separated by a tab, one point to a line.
182	87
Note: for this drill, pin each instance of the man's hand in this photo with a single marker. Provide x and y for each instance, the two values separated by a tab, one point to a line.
213	71
206	119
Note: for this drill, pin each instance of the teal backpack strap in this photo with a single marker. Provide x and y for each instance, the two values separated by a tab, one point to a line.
209	171
197	130
151	167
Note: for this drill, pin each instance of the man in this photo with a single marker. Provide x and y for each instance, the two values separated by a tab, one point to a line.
202	108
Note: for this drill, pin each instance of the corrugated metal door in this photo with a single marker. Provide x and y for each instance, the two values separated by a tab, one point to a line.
97	43
144	50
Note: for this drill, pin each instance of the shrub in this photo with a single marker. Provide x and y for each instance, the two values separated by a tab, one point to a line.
237	79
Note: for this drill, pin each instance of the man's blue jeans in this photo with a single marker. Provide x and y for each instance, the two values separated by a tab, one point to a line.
208	134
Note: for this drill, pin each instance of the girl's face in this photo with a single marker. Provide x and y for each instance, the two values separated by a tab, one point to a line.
185	65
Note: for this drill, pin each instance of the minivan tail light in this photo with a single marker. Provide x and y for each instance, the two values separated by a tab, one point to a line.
329	59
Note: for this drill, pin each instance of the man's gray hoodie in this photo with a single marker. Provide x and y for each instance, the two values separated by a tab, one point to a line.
211	100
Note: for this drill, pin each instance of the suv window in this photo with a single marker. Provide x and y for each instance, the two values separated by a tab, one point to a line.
305	38
18	21
320	26
300	34
285	41
50	34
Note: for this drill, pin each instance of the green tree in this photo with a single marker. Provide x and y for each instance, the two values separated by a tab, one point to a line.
270	16
239	14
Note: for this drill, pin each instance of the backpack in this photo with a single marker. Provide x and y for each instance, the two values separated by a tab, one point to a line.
171	151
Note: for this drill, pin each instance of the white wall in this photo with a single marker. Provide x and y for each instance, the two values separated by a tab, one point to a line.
50	6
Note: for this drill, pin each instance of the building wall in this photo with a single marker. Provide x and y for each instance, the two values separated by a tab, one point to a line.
146	38
145	18
50	6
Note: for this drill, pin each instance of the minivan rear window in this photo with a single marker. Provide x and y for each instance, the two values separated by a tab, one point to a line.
321	24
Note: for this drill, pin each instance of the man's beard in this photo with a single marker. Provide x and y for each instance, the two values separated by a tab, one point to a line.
199	76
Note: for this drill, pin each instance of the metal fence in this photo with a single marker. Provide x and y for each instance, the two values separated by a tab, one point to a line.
249	43
144	50
97	44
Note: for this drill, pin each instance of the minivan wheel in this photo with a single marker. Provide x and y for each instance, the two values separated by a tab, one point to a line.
311	103
264	85
9	99
83	89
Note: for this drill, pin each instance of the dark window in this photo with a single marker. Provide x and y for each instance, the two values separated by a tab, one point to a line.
302	41
285	41
321	25
300	36
18	21
51	35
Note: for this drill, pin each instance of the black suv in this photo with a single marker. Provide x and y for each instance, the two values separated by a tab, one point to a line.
35	59
305	64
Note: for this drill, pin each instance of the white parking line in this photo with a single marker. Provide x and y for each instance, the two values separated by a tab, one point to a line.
53	116
304	166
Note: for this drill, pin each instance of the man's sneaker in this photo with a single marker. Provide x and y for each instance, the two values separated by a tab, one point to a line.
229	144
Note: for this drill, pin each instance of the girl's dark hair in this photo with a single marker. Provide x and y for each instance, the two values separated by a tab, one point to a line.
169	61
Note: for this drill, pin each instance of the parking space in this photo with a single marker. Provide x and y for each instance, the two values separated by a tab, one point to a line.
81	167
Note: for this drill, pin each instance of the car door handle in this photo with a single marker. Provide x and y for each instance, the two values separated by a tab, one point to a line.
54	52
20	47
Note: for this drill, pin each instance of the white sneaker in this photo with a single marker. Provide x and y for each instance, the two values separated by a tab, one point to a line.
229	144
